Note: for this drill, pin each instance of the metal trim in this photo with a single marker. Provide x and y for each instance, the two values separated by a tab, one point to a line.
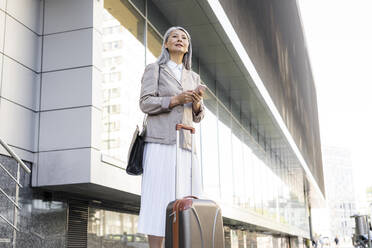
10	175
10	199
9	223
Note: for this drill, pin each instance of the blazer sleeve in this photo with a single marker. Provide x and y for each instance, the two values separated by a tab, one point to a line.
197	117
150	102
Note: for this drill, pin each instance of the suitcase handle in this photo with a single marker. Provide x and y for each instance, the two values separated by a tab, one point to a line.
179	127
182	126
190	196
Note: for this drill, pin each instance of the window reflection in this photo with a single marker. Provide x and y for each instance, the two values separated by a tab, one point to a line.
209	151
113	229
225	155
238	167
258	184
123	58
154	43
249	177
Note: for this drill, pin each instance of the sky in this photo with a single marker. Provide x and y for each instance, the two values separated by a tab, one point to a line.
339	40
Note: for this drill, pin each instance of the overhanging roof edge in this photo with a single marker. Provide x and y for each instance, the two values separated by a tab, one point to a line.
221	16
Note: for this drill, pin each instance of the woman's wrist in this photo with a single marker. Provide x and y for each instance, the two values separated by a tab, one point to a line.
173	102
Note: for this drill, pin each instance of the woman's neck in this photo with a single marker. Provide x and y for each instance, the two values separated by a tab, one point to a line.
176	58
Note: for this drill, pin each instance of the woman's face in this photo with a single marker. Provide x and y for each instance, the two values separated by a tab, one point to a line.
177	42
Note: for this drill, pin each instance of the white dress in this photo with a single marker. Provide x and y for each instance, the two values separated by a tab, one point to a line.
158	184
158	180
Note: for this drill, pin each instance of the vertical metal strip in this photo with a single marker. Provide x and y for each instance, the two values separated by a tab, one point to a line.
177	161
145	33
218	148
15	213
192	164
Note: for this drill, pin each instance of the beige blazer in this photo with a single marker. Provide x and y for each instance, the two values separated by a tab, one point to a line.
154	101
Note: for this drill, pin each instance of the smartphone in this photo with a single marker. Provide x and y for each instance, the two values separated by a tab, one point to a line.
201	87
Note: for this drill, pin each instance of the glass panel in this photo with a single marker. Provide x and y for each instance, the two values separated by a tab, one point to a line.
154	43
264	241
209	149
140	5
287	203
224	151
249	176
227	232
273	195
265	188
251	239
276	196
238	166
282	217
234	239
113	229
123	58
257	184
157	18
122	12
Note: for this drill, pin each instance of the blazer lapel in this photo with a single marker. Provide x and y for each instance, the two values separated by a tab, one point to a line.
169	71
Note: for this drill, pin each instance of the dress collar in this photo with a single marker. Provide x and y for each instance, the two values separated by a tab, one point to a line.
173	65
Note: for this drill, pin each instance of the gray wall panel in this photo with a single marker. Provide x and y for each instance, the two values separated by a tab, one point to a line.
18	125
61	16
68	50
63	167
29	13
67	88
22	44
2	4
2	30
65	129
20	84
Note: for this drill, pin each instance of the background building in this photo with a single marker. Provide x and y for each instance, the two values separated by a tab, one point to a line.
70	82
369	200
340	194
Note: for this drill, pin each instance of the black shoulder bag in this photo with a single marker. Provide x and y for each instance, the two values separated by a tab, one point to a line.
135	154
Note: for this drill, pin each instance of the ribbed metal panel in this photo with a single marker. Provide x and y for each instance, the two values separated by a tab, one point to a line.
77	229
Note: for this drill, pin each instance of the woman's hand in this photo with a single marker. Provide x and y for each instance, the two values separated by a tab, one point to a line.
183	98
197	96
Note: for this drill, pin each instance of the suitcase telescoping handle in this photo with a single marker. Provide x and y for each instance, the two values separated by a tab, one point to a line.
182	126
178	154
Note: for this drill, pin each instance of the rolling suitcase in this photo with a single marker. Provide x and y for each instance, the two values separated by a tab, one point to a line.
193	222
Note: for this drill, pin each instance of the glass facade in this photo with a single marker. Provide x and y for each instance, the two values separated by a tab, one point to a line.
235	238
123	64
113	229
238	166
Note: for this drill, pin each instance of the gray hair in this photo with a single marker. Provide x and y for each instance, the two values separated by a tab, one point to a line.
164	56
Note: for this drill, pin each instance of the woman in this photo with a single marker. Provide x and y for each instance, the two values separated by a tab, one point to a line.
170	94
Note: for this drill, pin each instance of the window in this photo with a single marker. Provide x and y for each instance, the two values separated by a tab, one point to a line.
113	229
154	43
112	109
123	56
112	126
111	143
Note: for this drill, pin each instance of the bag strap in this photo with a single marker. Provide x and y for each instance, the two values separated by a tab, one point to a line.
144	122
